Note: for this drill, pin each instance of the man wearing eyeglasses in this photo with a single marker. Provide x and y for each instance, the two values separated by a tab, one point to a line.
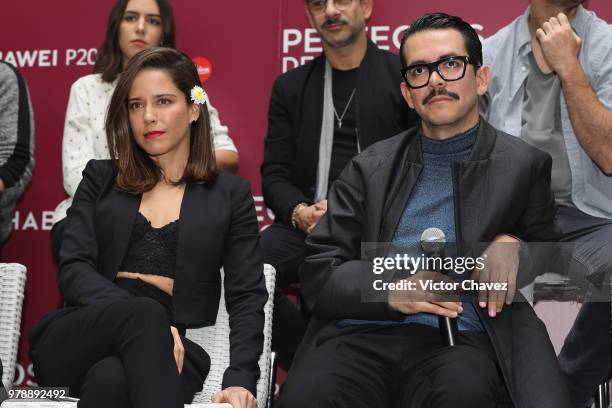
455	172
321	115
551	86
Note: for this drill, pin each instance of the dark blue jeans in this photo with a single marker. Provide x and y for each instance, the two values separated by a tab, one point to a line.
585	357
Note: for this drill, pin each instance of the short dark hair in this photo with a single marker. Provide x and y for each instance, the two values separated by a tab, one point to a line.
109	62
436	21
136	172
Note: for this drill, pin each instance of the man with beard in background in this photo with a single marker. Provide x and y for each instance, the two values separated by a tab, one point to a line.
321	115
551	85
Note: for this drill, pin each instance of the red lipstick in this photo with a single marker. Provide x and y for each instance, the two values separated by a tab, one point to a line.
153	134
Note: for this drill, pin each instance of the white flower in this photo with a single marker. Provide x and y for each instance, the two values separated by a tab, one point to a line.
198	95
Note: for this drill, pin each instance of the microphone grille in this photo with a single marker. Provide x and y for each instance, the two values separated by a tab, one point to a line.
433	240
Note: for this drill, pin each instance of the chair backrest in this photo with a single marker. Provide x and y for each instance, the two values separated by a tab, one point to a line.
12	286
215	340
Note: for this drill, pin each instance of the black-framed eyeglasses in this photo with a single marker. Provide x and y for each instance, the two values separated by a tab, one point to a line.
318	6
449	68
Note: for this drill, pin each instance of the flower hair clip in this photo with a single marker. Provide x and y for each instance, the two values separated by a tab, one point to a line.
198	95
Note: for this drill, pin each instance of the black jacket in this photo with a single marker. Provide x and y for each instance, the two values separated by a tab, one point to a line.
291	151
217	228
3	394
503	188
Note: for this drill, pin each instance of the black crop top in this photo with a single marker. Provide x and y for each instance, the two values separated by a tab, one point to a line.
152	250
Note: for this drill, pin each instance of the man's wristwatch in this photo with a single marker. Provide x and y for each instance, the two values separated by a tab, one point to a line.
294	213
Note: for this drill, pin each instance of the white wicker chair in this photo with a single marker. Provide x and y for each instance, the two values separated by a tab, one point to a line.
12	286
215	340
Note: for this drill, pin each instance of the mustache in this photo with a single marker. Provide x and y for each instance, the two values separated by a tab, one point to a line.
332	21
439	92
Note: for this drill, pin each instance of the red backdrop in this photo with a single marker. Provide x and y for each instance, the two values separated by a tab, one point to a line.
248	44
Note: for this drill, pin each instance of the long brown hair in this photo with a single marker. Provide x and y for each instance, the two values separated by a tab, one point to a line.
109	61
136	172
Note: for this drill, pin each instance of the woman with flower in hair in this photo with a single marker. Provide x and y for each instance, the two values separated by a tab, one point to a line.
144	241
133	25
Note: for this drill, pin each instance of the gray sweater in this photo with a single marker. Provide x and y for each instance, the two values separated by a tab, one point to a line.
16	143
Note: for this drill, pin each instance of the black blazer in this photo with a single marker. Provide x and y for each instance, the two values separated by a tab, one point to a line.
503	188
291	150
217	227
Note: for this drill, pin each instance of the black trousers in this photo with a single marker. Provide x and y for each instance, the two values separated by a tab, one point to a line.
3	395
115	355
283	248
395	366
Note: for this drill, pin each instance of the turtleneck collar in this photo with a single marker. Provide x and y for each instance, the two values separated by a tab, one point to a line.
456	144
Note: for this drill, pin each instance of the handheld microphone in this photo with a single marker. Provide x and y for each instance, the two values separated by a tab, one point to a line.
433	242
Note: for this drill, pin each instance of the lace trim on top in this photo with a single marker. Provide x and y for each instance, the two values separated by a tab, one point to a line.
152	250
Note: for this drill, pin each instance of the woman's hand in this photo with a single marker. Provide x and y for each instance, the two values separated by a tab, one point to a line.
237	396
179	350
160	282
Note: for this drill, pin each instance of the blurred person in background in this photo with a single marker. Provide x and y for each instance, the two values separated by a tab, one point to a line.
133	25
16	143
321	115
551	85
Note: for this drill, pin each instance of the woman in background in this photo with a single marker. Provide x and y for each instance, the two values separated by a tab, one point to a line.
133	25
143	243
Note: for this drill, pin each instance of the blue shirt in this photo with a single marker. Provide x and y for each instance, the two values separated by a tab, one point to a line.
507	53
